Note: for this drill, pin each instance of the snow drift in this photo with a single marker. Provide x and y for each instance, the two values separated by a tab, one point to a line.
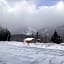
20	53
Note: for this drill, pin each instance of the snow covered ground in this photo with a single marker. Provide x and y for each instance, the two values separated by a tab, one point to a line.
21	53
38	45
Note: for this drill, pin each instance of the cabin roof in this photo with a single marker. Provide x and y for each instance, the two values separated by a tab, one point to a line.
28	39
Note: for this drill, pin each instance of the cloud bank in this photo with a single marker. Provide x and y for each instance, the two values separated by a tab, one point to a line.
21	14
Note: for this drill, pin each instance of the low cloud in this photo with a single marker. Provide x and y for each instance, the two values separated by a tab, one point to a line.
26	14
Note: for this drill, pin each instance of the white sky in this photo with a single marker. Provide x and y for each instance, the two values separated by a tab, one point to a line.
19	14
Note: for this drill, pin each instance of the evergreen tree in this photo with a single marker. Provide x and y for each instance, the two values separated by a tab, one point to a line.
36	36
5	35
32	35
8	35
56	38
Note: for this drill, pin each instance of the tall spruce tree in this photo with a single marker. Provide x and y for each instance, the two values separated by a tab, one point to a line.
5	35
56	38
36	36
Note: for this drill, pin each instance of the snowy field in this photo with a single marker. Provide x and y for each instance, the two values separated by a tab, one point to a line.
21	53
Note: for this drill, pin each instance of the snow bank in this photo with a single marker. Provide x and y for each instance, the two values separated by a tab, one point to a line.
38	45
13	53
21	53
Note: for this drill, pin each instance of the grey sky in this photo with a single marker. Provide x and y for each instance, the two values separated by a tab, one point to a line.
21	14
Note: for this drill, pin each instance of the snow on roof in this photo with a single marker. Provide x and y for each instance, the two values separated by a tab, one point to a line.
28	39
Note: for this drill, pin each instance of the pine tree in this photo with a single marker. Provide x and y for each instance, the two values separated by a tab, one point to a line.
5	35
36	36
56	38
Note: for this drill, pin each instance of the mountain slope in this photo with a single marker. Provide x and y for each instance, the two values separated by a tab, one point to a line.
50	30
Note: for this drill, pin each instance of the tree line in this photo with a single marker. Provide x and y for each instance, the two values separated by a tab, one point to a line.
55	38
5	35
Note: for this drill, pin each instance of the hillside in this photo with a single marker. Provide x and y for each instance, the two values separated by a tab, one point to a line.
50	30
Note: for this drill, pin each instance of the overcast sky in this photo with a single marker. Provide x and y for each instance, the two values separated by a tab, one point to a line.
19	14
